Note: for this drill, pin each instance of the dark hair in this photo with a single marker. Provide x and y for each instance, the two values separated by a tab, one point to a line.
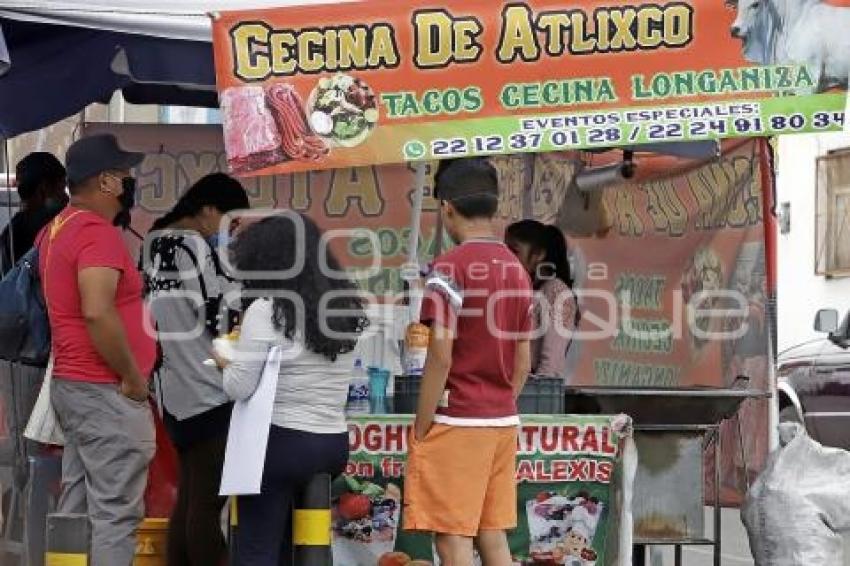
548	239
218	190
272	245
481	206
34	171
471	185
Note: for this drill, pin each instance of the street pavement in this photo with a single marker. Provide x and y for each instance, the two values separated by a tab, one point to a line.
735	549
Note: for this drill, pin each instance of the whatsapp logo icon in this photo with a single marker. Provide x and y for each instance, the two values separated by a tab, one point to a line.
414	149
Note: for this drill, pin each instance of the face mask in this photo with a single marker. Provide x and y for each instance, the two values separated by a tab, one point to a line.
127	198
128	193
218	242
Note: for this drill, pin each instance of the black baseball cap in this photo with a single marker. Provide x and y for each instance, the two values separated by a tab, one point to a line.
458	179
93	155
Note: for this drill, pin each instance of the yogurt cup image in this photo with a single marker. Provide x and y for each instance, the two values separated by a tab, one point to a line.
562	528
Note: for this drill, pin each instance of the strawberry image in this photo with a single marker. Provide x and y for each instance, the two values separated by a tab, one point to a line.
542	496
353	506
394	559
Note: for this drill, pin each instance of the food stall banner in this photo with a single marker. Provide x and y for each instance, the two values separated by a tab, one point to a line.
572	481
327	86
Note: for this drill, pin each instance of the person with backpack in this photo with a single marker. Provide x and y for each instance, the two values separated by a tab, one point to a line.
186	287
542	250
40	180
103	352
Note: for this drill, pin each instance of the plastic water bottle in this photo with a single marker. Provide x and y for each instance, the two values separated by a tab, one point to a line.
358	391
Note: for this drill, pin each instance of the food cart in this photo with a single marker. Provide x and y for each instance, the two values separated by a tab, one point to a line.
681	239
550	93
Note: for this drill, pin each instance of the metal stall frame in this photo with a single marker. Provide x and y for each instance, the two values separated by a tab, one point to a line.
695	410
711	435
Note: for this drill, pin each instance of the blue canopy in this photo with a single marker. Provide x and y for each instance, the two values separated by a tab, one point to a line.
49	72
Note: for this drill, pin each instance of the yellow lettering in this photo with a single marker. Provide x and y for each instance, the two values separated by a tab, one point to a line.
648	37
518	37
628	221
352	48
702	185
466	48
603	30
433	46
383	51
300	192
310	53
250	65
264	195
623	37
552	176
197	164
158	182
358	185
677	25
554	25
581	41
748	170
512	172
331	47
666	210
283	59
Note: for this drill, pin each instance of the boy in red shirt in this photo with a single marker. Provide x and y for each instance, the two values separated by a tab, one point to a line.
460	481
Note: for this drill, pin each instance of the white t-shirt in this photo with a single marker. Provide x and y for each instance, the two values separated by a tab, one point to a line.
311	391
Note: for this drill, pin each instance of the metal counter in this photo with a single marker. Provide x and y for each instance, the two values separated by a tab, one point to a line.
674	428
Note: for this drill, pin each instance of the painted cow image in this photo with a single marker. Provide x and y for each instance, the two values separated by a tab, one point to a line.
802	32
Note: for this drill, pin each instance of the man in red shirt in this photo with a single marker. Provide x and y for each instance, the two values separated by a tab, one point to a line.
103	354
460	481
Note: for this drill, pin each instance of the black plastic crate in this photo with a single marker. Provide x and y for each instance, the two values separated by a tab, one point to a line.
542	396
406	394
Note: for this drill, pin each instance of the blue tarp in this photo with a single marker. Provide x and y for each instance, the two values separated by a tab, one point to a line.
56	71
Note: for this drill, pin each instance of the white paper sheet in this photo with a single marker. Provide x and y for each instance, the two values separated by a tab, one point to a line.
245	456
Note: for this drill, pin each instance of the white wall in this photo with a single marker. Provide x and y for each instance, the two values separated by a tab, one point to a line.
801	293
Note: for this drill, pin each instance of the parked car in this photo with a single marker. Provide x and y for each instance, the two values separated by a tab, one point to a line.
814	382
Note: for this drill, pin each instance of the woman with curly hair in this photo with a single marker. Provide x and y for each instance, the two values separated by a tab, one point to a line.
314	315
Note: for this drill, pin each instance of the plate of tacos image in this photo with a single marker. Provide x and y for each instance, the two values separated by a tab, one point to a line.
343	110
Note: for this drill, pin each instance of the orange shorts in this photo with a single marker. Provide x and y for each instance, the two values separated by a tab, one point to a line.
461	480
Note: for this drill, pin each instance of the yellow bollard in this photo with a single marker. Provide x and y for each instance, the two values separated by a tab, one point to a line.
67	540
311	532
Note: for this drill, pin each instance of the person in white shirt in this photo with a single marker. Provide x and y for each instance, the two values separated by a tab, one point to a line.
186	288
315	318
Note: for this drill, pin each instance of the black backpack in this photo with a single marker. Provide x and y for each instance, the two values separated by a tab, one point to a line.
24	326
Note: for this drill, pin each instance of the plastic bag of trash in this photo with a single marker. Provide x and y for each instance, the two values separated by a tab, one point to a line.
799	506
